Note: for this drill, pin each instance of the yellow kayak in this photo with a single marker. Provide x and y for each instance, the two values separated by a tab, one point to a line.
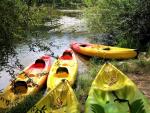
28	82
113	92
65	67
59	100
103	51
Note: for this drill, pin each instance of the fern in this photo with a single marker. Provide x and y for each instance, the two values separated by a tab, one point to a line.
137	107
95	108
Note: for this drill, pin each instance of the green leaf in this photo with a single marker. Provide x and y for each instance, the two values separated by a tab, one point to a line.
137	107
95	108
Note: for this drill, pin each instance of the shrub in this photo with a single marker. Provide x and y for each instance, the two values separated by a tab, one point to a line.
126	20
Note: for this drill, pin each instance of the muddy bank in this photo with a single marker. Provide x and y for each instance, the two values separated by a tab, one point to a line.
142	81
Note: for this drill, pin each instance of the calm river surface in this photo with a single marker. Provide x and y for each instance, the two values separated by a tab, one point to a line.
72	29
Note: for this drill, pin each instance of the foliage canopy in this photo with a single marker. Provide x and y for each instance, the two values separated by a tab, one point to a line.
126	20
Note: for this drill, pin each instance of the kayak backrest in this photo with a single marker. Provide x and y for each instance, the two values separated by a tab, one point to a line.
39	63
20	87
66	55
62	72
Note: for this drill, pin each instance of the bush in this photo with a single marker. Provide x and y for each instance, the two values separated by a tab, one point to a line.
126	20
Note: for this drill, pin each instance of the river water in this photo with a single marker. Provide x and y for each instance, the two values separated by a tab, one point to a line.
71	29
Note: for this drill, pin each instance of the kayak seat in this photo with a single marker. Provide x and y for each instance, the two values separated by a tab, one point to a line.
61	75
20	87
62	72
66	56
39	63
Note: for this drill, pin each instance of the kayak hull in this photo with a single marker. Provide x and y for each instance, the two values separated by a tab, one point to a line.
28	82
113	92
102	51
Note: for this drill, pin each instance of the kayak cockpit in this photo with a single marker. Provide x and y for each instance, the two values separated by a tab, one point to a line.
39	63
84	45
106	48
20	87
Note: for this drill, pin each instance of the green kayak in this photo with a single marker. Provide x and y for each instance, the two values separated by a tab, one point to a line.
113	92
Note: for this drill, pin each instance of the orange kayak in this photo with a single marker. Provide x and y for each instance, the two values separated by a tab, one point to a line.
28	82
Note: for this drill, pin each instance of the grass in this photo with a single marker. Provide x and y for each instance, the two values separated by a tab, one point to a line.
84	81
140	65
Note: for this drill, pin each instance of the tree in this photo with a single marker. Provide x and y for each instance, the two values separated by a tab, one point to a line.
126	20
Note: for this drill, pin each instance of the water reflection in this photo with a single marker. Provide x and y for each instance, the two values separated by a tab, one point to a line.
8	61
6	51
26	53
14	58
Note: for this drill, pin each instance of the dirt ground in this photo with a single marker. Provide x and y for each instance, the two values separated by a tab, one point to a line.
143	82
